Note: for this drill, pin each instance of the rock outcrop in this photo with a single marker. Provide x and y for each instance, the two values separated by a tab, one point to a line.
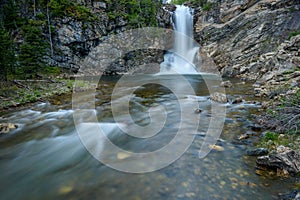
286	161
237	35
74	39
280	67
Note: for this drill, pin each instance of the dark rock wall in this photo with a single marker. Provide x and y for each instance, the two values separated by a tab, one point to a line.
75	39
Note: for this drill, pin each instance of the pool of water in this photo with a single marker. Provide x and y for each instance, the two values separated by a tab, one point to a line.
45	158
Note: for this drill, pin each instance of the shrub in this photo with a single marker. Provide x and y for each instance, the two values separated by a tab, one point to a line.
294	33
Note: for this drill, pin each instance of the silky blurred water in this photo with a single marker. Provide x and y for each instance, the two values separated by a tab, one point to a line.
45	159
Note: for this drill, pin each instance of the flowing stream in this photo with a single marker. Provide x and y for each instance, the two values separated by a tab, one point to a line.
45	159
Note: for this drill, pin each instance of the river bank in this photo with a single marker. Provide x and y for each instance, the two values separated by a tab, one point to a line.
20	93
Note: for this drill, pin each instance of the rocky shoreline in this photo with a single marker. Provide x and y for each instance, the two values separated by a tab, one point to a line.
19	93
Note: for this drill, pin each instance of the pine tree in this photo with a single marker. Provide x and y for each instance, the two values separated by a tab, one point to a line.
7	54
33	50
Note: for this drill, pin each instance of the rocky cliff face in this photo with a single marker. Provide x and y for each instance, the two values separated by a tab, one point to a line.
74	39
239	35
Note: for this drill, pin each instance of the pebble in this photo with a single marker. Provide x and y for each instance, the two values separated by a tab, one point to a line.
190	194
244	136
198	110
216	147
234	185
65	189
226	84
122	156
185	184
222	183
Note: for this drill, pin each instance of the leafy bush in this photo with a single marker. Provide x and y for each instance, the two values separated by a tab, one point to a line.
294	33
60	8
138	13
52	70
178	2
207	6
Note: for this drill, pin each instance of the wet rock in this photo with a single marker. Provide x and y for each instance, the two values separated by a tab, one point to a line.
293	195
170	7
65	190
244	136
260	92
237	100
288	161
198	110
219	97
281	148
122	156
227	84
255	127
7	127
216	147
257	152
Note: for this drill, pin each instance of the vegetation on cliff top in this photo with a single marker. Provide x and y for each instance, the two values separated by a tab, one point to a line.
202	3
138	13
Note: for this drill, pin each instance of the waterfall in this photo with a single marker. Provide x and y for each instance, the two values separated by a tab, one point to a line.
185	52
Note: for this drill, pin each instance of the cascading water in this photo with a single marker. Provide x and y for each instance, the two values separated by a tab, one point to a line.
184	54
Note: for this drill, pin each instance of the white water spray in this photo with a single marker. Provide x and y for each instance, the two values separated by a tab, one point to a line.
184	54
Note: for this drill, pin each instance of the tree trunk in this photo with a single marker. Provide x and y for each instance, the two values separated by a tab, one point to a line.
49	29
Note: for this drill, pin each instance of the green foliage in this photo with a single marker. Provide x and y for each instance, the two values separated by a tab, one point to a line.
272	140
271	136
178	2
52	70
7	54
202	3
33	50
10	18
60	8
138	13
207	6
294	33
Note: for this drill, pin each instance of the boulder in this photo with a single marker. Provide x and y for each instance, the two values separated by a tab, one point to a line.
227	84
7	127
258	152
219	97
237	100
288	161
293	195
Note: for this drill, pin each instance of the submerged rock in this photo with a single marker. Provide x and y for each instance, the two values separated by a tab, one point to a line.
216	147
293	195
288	161
257	152
226	84
255	127
244	136
237	100
219	97
198	110
7	127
